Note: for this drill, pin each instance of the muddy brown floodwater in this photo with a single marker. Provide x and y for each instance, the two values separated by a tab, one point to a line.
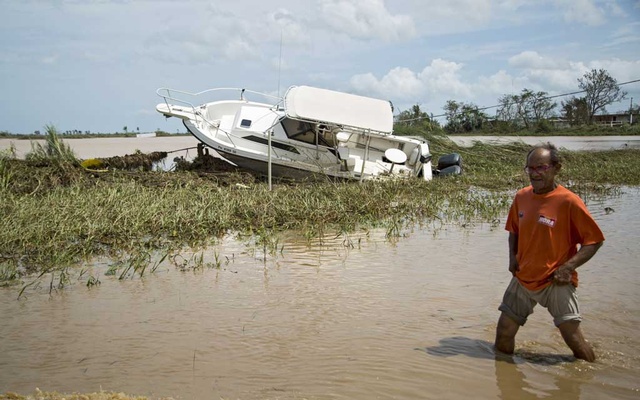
355	317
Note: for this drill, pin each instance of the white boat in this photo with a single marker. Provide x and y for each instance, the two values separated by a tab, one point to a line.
310	131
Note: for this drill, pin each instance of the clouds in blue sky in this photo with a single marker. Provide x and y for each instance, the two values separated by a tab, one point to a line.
95	64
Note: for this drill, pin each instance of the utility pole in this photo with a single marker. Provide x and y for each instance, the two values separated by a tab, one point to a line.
631	112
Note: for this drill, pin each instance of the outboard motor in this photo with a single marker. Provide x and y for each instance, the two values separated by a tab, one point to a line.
449	164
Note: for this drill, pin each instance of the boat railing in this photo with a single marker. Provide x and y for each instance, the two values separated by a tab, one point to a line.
173	97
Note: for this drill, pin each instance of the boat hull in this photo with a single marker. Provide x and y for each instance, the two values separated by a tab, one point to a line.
307	137
260	165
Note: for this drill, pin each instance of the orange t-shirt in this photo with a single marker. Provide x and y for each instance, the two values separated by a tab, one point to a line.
550	227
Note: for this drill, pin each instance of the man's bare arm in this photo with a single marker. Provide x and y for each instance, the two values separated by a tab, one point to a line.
562	276
513	251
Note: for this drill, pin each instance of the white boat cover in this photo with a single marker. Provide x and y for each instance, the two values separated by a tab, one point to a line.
322	105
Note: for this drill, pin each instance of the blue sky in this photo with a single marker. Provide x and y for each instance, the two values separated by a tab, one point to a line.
96	64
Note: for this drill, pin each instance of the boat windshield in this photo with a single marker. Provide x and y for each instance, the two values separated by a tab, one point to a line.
306	132
299	130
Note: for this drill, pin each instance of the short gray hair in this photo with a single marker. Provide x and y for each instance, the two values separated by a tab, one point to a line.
555	155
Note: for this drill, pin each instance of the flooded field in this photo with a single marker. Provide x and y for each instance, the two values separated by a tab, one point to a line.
116	146
185	145
355	317
567	142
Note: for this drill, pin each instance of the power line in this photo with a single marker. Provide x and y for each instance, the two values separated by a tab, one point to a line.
499	105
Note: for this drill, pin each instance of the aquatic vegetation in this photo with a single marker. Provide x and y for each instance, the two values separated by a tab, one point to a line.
54	150
8	274
5	173
93	281
56	215
136	263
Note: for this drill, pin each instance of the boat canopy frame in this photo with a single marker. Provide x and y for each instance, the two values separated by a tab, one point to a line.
352	113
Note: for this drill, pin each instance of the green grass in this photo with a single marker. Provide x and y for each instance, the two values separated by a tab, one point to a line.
581	131
53	151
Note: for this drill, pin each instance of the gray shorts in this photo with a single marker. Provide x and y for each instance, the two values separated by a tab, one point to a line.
560	300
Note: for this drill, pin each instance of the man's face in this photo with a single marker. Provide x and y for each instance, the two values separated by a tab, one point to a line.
541	171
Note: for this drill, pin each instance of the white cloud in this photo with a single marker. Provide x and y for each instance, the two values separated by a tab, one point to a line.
533	60
284	22
621	70
440	17
202	38
554	81
626	34
443	80
441	77
563	78
366	20
49	59
584	11
499	84
614	8
398	83
512	5
476	50
228	32
279	64
239	48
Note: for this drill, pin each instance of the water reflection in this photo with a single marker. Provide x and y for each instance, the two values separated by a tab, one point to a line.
476	348
513	383
509	369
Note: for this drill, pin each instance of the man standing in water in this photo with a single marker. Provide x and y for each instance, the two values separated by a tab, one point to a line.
546	223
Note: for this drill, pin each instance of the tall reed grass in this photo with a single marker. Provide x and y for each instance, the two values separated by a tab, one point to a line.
54	149
55	215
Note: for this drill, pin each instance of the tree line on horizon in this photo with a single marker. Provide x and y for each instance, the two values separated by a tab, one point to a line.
527	111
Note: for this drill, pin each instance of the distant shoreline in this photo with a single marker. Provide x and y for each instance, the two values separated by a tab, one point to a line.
102	147
574	143
590	132
184	145
31	136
